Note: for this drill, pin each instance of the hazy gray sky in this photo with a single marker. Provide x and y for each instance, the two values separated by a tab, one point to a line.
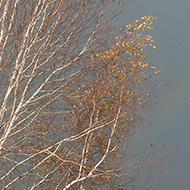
172	56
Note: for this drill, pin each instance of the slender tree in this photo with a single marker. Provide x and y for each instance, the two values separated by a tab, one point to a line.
71	94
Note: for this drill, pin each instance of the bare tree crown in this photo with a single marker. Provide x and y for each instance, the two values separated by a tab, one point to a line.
71	93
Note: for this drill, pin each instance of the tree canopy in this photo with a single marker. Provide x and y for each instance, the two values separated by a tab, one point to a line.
72	91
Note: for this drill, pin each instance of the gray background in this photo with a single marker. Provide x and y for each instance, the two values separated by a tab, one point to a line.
171	125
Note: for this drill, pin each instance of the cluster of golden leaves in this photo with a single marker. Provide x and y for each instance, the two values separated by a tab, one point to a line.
120	71
125	61
132	42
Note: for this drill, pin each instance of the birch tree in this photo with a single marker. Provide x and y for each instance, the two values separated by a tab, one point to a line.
72	91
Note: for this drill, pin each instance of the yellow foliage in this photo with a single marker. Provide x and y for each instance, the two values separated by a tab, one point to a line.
120	66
